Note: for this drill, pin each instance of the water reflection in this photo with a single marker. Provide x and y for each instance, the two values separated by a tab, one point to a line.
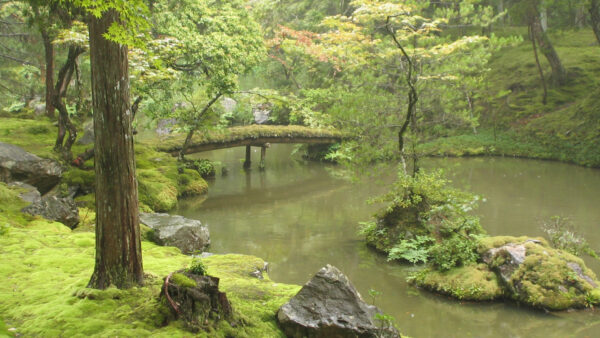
299	217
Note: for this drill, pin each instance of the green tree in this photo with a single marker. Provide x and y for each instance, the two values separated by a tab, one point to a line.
112	26
212	43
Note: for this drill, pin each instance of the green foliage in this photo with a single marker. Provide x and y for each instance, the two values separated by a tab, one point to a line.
454	251
197	267
415	250
562	234
204	167
426	222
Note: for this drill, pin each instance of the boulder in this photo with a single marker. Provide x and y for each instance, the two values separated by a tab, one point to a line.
54	208
536	274
186	234
27	193
261	113
329	306
18	165
88	134
228	104
165	126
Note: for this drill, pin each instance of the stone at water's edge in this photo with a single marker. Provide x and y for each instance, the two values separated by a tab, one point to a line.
62	210
186	234
18	165
329	306
536	274
524	269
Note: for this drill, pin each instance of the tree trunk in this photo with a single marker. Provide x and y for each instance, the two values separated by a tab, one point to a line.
539	66
49	55
559	75
60	91
595	17
118	249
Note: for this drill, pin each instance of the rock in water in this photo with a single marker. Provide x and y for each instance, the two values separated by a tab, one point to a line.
186	234
62	210
538	275
18	165
329	306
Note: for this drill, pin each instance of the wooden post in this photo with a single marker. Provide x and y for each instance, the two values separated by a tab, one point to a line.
263	154
248	161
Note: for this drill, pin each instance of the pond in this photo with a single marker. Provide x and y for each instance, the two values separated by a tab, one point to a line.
301	215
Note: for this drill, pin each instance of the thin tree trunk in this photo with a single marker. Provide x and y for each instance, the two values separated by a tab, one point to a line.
49	56
413	96
595	18
60	91
539	66
188	138
559	74
118	250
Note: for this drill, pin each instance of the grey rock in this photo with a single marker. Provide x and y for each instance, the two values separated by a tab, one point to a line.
261	113
165	126
228	104
17	165
186	234
579	271
27	193
88	133
329	306
514	255
62	210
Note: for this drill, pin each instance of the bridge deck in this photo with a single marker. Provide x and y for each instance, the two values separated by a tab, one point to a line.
254	135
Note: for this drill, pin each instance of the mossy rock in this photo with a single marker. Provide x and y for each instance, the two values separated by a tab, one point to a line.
394	225
540	276
474	282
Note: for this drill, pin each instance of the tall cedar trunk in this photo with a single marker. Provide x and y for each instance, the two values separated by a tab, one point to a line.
559	74
60	91
595	17
49	55
118	250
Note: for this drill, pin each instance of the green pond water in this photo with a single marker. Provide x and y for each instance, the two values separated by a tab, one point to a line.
301	215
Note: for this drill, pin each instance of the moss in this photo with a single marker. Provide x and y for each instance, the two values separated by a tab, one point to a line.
487	243
546	280
174	142
87	219
86	201
183	280
10	207
156	191
472	282
82	178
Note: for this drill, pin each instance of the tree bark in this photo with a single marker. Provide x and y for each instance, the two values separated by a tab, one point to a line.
60	91
49	56
559	75
539	66
118	249
595	17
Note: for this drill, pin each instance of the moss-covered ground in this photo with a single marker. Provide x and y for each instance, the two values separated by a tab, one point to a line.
160	182
45	268
517	123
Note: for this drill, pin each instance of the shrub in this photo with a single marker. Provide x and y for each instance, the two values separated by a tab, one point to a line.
562	234
197	267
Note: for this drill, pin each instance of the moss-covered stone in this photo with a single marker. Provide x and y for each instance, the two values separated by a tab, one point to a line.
472	282
537	275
